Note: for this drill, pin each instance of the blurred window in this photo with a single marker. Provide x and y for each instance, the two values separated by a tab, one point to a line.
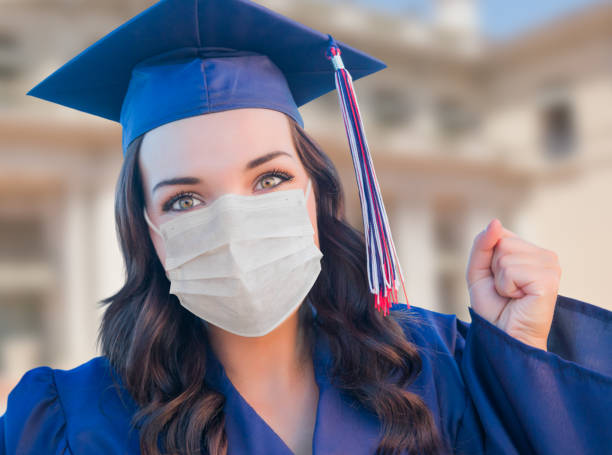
25	280
22	238
9	56
20	324
454	117
393	108
558	129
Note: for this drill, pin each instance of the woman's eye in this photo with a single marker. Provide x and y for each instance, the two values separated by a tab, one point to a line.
272	180
185	203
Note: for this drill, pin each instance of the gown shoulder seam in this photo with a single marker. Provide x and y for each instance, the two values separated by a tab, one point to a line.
61	406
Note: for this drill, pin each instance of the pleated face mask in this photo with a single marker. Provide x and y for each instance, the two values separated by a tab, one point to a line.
245	262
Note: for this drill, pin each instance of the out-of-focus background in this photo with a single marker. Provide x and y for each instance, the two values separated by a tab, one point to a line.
487	109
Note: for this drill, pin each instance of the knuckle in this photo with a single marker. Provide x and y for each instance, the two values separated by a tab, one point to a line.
503	262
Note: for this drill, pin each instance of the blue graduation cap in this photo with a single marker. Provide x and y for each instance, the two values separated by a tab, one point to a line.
181	58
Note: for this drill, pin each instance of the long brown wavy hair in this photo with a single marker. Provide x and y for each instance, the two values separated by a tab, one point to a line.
158	347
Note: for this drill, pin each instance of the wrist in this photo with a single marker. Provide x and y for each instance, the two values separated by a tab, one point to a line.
535	342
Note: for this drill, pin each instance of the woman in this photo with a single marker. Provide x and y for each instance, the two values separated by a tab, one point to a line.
246	323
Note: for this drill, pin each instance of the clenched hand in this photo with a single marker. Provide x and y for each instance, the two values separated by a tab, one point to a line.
513	283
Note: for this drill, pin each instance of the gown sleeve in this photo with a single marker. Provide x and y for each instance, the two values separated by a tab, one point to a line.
34	421
524	400
2	437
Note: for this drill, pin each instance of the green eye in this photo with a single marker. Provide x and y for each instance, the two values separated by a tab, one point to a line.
273	179
268	182
181	202
185	202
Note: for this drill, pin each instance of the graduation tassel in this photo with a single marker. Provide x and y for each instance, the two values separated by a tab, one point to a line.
383	266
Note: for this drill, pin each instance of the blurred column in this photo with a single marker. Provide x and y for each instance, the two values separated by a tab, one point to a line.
108	274
413	234
75	274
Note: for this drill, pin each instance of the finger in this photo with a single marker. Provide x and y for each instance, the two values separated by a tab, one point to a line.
509	243
505	284
519	280
507	257
479	263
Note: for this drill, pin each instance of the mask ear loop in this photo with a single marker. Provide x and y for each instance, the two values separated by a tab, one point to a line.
308	190
151	225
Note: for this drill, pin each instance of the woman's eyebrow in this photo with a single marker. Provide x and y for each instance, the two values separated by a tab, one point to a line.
265	158
194	180
177	181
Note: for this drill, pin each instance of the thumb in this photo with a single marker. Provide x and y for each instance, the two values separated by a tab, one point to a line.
479	265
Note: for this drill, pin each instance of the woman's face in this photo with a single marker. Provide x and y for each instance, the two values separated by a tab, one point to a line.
187	164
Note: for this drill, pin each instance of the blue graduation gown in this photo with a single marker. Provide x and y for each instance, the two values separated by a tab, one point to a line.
489	392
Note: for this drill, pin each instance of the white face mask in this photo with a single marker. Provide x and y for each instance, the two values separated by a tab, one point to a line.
243	263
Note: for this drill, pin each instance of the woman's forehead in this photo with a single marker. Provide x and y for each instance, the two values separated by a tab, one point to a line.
214	141
237	126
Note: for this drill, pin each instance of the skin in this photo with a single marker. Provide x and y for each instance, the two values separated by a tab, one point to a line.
272	372
512	283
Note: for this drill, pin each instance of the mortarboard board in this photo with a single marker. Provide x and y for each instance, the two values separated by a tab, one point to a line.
181	58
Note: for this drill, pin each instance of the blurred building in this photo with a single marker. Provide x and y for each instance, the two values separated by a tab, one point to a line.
461	130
